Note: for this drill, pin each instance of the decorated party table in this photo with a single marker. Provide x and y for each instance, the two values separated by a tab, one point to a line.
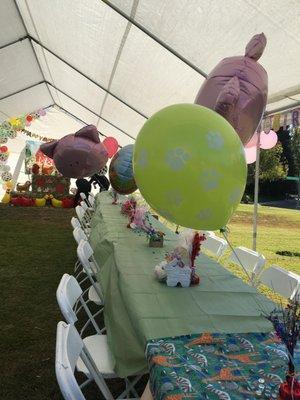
171	324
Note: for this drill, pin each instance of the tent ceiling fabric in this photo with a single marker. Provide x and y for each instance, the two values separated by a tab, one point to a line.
103	69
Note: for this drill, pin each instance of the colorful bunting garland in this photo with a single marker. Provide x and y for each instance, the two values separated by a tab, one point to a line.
9	130
283	119
36	136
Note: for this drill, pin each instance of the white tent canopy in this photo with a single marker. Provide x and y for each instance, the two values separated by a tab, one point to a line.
114	63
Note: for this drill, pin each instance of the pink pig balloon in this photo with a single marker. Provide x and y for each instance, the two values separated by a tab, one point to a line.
77	155
237	88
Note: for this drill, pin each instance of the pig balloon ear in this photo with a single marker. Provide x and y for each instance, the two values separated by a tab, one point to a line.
256	46
89	132
48	148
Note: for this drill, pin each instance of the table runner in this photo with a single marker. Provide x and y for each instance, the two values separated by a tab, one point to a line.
138	308
217	366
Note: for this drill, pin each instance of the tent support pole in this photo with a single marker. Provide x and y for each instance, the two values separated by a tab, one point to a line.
32	48
87	77
22	90
18	167
256	190
88	109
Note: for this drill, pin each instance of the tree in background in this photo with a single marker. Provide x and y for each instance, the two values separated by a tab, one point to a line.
295	149
271	166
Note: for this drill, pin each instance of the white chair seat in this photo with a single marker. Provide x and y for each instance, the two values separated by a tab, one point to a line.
214	245
98	348
93	296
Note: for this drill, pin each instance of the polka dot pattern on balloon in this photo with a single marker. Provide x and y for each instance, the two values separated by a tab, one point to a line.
189	165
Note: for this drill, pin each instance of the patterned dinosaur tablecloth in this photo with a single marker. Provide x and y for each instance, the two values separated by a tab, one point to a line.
217	366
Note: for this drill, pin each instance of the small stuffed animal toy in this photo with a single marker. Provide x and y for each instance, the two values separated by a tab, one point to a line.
35	169
23	187
77	155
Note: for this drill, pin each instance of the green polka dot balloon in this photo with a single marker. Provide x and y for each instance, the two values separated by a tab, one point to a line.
189	165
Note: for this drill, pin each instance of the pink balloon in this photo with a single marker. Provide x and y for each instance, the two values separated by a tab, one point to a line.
268	140
250	153
253	141
111	145
237	89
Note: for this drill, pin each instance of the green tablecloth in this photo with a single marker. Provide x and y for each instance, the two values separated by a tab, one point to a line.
139	308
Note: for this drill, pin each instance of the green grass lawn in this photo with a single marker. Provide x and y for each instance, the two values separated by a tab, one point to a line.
37	247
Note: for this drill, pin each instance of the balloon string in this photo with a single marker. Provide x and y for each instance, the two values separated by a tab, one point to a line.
259	304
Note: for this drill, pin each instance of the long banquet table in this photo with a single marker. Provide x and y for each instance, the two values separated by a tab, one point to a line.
172	324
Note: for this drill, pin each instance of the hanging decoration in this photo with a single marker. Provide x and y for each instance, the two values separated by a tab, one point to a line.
282	119
286	322
9	130
267	141
36	161
36	136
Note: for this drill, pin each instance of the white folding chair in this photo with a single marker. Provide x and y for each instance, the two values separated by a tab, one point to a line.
252	261
91	269
85	199
80	212
96	345
88	210
72	353
75	222
69	294
281	281
92	200
78	235
214	245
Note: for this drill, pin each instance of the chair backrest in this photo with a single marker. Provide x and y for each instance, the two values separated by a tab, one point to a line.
80	212
281	281
251	260
91	199
215	245
67	295
84	205
75	222
69	347
79	235
83	196
86	256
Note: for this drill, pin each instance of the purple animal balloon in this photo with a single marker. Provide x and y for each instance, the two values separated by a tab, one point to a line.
237	88
77	155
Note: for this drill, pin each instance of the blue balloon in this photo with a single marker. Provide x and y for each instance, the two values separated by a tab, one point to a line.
121	171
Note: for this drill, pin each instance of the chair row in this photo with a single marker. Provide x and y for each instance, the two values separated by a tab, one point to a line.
281	281
81	302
